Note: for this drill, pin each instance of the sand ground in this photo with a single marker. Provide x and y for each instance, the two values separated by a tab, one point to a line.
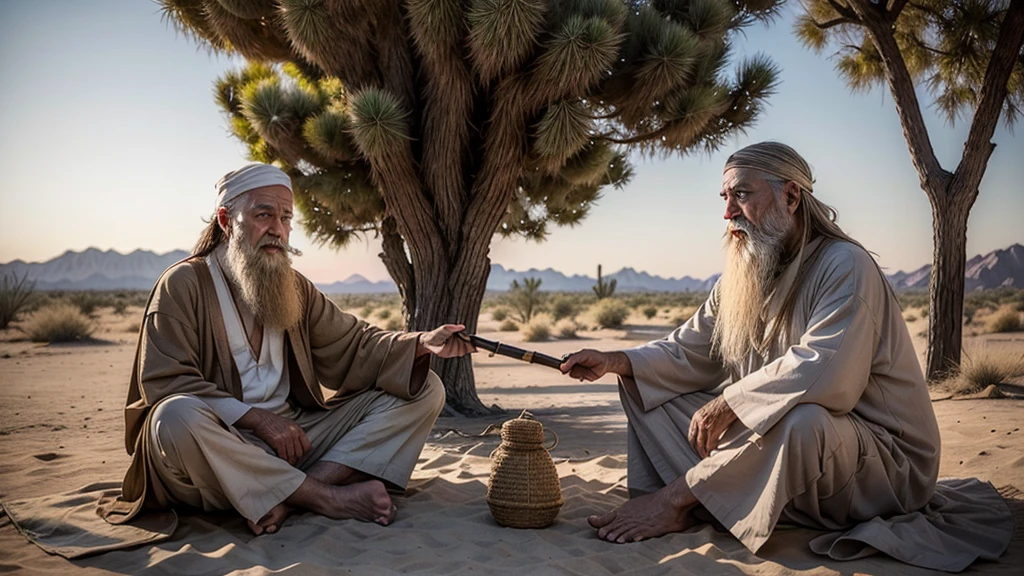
61	428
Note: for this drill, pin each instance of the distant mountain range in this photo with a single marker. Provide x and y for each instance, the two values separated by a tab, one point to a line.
94	269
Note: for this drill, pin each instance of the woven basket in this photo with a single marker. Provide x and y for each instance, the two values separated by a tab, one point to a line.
523	490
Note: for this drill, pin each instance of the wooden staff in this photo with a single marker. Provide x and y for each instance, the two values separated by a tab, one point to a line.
512	352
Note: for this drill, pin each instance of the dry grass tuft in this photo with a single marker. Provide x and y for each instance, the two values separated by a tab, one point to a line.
59	323
983	367
394	324
509	325
499	314
538	329
610	313
1008	321
566	329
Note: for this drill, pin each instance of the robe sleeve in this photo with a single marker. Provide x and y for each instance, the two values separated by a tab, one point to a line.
831	364
350	356
169	358
679	364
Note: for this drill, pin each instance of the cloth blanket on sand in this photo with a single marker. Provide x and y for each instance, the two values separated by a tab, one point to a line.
67	525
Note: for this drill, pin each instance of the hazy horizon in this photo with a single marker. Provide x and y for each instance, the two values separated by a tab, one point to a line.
109	138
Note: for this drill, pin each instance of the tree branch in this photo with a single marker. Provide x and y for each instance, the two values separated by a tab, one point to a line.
638	138
979	147
396	262
901	85
843	11
831	23
896	9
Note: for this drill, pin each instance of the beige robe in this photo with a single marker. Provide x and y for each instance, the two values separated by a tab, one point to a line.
835	426
183	349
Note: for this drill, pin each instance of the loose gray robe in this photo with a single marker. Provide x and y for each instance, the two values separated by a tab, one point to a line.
847	350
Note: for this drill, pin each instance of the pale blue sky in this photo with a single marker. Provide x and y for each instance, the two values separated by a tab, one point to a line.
109	137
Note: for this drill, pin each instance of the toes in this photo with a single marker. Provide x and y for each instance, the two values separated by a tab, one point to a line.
256	528
602	520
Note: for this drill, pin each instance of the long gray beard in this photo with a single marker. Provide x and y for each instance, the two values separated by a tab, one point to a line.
746	283
265	282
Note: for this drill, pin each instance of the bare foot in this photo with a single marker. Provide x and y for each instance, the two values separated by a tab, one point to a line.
271	521
367	501
648	516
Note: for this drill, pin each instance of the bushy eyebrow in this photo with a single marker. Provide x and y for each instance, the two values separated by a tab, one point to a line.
269	206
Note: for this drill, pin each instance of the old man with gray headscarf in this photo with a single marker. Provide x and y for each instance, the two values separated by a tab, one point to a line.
251	391
793	395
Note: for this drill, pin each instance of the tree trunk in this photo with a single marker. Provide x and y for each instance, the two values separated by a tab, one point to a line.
443	298
946	294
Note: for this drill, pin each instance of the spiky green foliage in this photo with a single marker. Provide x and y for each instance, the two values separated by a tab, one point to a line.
946	45
439	123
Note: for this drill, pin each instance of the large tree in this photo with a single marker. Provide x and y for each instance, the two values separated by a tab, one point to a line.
968	54
438	123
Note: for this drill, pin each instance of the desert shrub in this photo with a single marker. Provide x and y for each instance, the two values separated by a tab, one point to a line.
566	329
610	313
87	301
1019	306
367	311
120	307
650	312
394	324
499	314
509	325
384	313
59	323
986	366
912	299
538	330
924	312
525	299
1008	321
563	306
133	328
910	318
15	297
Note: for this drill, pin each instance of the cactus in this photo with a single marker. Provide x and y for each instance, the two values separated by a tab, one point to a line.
604	289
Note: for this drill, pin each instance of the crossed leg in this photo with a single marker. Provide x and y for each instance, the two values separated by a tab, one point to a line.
336	491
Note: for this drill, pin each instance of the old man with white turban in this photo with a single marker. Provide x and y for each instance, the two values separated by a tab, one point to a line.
792	395
251	391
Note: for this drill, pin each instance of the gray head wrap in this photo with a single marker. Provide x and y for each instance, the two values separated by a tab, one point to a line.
774	158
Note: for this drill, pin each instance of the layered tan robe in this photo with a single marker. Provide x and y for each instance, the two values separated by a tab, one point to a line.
835	427
183	349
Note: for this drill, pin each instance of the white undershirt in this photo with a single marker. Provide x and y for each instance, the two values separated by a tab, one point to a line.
264	381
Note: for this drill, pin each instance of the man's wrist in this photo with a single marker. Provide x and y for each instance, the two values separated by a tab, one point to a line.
620	364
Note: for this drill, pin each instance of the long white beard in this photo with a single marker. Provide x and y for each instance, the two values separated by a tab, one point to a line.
747	281
265	282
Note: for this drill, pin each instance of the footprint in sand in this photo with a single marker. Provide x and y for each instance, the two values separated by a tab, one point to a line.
48	456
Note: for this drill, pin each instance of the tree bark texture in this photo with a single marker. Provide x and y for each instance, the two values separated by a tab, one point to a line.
952	195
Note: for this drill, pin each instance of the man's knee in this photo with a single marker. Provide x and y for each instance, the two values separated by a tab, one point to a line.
808	425
175	419
433	394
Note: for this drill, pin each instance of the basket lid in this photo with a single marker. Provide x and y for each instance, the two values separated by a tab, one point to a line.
521	430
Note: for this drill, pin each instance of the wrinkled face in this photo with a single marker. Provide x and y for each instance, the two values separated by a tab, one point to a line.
264	220
750	200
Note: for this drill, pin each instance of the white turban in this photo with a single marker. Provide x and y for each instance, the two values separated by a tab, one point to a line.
249	177
776	159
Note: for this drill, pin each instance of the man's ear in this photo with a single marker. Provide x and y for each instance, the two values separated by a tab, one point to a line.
224	220
791	194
